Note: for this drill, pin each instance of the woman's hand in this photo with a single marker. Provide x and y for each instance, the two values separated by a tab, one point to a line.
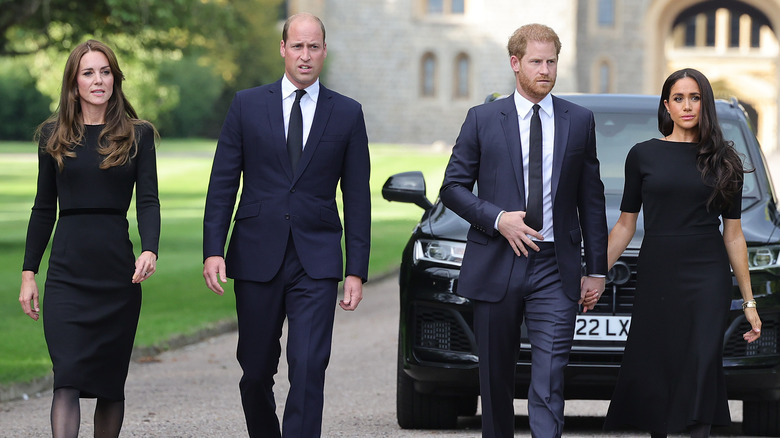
145	266
28	296
755	322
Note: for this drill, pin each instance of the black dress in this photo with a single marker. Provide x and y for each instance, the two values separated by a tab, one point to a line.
90	306
672	373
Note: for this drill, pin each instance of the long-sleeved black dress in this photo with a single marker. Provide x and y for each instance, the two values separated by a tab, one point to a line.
672	376
90	306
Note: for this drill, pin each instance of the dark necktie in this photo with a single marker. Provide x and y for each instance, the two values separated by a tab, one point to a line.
295	130
534	206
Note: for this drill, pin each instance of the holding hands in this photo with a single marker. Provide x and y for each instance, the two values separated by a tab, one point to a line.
591	289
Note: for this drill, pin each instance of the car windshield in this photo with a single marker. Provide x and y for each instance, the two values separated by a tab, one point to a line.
616	133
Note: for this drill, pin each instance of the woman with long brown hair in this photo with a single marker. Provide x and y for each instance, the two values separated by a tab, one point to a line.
671	378
92	152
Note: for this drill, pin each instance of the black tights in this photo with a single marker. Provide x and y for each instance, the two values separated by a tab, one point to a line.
66	415
698	431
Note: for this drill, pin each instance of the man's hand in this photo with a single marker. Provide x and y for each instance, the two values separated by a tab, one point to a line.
512	226
353	292
591	289
214	272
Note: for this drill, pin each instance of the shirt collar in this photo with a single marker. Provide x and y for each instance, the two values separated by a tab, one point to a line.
525	107
288	89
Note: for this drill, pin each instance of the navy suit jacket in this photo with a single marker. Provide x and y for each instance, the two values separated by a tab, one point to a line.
488	152
277	201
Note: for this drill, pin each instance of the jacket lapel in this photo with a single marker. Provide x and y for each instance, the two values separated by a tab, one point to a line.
509	122
561	111
321	116
274	109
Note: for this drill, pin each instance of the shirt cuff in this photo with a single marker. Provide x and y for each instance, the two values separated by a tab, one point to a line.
597	275
495	224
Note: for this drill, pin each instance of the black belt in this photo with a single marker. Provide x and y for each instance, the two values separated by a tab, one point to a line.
78	211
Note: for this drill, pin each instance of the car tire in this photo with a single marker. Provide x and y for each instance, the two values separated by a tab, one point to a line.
416	410
760	418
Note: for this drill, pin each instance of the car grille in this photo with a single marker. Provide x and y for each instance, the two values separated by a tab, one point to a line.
765	345
442	329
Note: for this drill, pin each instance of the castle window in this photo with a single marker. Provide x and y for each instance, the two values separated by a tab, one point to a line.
457	6
428	79
606	13
462	75
445	7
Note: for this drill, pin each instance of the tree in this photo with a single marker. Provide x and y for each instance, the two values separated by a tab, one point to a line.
24	107
250	49
27	26
233	43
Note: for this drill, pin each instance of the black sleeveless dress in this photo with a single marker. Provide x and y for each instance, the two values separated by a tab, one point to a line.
90	306
672	372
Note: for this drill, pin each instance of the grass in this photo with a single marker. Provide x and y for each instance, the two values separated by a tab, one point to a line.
176	301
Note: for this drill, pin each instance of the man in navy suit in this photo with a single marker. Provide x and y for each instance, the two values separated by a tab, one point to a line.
513	269
285	248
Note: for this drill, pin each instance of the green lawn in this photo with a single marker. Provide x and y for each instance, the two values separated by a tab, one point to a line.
176	301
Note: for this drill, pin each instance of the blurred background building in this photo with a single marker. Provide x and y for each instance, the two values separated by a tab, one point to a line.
418	65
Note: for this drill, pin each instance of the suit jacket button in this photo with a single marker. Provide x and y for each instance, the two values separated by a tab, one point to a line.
287	217
292	190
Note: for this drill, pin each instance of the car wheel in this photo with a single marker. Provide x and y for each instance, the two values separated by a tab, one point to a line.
760	418
416	410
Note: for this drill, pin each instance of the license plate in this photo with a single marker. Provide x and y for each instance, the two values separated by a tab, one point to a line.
601	328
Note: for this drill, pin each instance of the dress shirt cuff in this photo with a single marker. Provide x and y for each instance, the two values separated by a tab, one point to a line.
597	275
498	218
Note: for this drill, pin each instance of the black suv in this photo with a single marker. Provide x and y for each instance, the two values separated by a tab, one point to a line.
437	352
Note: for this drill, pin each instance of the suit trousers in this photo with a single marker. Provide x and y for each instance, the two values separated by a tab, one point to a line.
536	295
308	304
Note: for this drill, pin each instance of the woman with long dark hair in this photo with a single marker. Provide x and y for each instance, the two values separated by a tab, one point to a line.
671	378
93	151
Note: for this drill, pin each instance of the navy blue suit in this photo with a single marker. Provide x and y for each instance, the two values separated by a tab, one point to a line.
544	286
285	248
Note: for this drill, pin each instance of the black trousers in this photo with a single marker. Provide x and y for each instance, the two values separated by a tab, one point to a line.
536	296
308	305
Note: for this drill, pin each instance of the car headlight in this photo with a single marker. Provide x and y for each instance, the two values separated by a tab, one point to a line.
439	251
762	257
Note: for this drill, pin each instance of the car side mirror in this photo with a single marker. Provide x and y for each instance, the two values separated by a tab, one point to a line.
407	187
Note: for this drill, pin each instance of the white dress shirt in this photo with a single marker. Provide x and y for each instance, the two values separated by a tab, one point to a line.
524	112
308	105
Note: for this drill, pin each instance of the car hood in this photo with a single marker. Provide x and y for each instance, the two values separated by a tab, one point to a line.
441	223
